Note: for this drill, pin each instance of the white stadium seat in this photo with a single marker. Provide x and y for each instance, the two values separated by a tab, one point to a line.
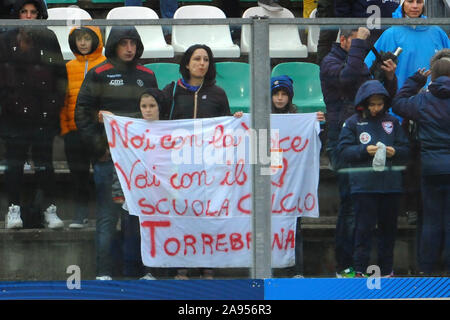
284	40
152	37
72	15
313	34
217	37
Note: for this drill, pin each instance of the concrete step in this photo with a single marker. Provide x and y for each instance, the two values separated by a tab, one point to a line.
44	254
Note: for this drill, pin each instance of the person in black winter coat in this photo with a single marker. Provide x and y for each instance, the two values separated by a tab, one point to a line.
32	90
195	95
113	86
342	72
327	36
365	9
374	145
431	110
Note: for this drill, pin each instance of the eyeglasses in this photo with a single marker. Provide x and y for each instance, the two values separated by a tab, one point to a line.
25	11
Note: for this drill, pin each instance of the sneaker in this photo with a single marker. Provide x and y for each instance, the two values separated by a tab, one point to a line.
76	224
13	220
360	275
390	275
347	273
52	220
270	5
298	276
103	278
148	276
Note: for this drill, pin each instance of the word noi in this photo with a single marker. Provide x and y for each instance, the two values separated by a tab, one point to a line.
206	243
203	208
221	146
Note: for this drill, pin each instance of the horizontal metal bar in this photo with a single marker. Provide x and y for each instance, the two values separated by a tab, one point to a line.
229	21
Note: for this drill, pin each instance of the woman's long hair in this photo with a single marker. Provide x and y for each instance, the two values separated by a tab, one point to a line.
210	76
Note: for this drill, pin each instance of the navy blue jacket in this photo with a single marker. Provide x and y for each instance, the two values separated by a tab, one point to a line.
341	74
358	8
358	132
431	110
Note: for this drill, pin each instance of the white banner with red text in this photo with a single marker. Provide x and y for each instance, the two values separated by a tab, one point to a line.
189	181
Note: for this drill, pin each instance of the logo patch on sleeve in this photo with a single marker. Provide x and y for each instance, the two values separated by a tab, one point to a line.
365	138
388	126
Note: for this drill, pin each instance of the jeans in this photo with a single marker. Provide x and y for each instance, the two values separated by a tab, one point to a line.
371	210
435	238
345	224
168	8
107	213
133	3
77	155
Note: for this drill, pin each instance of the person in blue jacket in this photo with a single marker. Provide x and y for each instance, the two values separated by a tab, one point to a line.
342	72
431	109
375	189
419	43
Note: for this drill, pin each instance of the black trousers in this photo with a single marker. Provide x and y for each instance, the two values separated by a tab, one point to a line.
40	143
78	159
380	211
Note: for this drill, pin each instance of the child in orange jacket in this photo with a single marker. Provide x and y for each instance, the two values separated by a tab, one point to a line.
86	44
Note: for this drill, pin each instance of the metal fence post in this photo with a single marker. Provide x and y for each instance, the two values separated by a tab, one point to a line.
435	8
261	184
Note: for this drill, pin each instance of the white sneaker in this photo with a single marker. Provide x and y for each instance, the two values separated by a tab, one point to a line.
103	278
13	220
270	5
79	224
52	220
148	276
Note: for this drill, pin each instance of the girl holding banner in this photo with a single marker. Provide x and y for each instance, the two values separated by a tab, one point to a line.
194	96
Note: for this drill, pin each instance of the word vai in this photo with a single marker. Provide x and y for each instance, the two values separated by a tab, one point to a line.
209	244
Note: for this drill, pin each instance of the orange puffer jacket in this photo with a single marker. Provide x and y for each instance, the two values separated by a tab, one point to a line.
76	71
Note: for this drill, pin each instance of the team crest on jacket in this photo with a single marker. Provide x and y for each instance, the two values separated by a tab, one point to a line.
388	126
140	83
365	138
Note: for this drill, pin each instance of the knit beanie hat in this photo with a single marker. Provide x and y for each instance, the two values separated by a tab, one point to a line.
282	82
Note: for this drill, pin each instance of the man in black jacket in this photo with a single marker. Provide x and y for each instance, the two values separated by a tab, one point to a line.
113	86
32	90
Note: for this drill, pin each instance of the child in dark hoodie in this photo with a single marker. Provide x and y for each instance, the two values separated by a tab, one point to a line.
431	110
151	102
375	186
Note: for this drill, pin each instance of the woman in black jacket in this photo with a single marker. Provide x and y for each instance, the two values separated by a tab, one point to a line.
195	95
32	91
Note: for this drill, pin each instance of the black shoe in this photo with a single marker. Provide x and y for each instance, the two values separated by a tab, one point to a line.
270	5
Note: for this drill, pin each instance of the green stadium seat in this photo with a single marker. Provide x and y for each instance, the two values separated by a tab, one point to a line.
61	1
307	89
165	72
234	78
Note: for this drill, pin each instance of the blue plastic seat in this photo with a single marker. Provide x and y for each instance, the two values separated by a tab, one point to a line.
234	78
307	89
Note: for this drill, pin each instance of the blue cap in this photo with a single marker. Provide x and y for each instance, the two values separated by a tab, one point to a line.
282	82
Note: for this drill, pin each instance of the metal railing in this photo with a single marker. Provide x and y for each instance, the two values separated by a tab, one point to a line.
260	98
